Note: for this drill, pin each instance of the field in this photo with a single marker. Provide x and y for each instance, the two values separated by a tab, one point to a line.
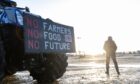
91	70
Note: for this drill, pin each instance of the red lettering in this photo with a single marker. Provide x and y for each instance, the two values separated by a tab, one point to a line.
35	24
29	22
32	23
33	44
33	33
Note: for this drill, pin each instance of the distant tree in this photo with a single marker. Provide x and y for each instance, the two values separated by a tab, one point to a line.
138	51
134	52
123	53
129	52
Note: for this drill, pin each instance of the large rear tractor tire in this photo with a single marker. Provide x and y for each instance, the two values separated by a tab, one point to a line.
53	67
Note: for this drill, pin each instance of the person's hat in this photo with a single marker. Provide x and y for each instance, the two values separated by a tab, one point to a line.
109	37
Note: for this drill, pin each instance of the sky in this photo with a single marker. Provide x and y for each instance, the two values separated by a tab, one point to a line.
94	21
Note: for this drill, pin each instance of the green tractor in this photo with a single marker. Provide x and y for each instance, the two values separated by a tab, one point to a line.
29	42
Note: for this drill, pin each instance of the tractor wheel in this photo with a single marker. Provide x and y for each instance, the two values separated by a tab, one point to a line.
2	60
54	66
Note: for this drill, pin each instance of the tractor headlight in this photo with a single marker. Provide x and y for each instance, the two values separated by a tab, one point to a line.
1	11
19	18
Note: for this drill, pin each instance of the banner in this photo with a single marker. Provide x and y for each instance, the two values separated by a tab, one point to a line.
42	36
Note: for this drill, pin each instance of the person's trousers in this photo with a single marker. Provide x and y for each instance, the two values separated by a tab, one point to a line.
113	56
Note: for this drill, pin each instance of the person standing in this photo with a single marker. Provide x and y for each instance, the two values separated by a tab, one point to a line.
110	48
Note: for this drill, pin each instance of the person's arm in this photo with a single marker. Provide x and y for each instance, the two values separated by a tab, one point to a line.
115	46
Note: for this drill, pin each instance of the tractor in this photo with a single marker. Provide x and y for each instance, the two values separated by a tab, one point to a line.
29	42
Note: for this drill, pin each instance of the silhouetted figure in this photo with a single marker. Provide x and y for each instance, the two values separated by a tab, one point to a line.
110	49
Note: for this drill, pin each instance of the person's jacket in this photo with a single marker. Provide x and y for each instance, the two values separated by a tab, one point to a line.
110	46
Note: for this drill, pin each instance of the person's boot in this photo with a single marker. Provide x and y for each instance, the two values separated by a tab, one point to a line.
107	72
117	69
118	73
